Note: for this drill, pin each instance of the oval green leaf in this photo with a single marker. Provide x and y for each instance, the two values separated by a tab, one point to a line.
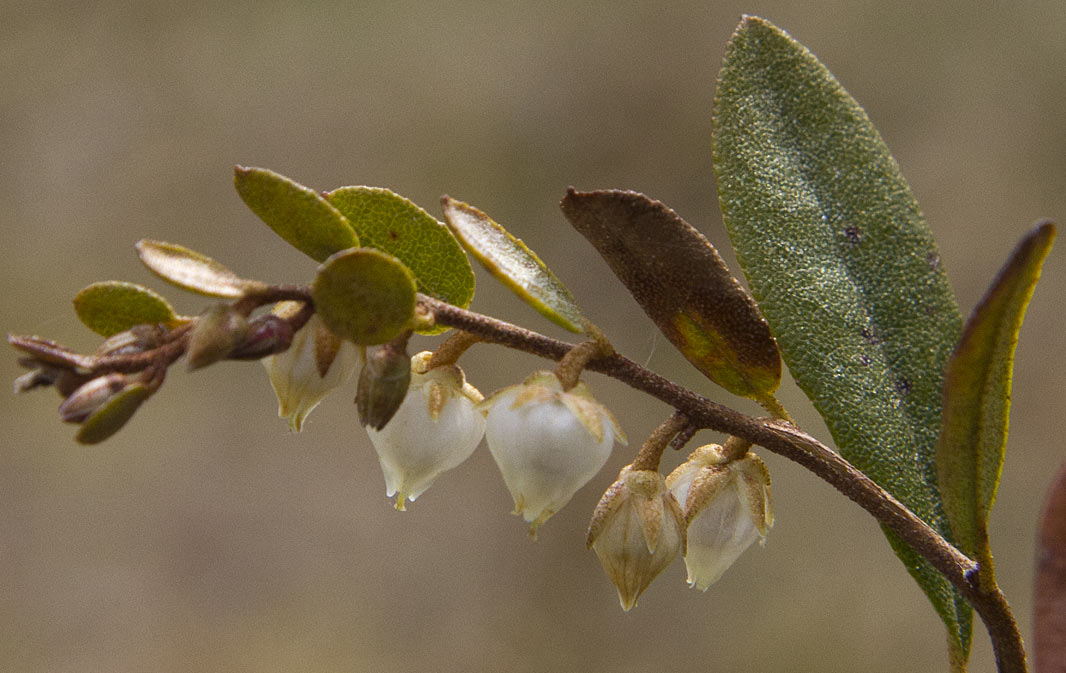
513	264
977	396
114	306
387	221
365	296
681	282
393	224
193	271
298	214
109	419
844	268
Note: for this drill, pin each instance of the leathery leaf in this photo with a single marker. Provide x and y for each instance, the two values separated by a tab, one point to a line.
977	387
681	282
299	214
114	306
364	295
512	263
846	271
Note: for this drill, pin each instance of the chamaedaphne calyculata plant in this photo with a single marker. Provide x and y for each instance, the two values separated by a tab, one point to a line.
846	288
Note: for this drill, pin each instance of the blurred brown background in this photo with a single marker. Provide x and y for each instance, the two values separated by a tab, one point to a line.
206	537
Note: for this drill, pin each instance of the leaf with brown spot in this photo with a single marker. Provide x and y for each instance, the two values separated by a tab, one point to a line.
681	282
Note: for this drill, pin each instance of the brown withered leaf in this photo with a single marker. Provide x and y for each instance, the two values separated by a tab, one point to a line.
681	282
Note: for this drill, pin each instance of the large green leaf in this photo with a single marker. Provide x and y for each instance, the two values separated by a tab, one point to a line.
845	270
683	285
114	306
298	214
512	263
977	396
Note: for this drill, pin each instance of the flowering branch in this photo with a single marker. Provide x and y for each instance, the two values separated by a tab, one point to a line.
785	440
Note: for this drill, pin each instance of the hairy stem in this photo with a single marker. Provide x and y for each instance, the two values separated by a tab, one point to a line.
652	450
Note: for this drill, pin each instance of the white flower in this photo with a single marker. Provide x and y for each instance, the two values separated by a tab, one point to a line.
316	362
636	531
727	506
547	443
436	428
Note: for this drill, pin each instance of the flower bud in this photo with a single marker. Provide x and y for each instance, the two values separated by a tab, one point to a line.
727	506
636	531
436	428
267	334
547	442
218	331
136	339
383	384
91	396
315	363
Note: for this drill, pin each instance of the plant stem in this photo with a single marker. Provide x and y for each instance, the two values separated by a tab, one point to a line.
652	450
785	440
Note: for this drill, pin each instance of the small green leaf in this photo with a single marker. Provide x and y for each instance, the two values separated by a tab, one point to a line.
513	264
298	214
113	306
681	282
193	271
844	268
109	419
977	396
393	224
365	296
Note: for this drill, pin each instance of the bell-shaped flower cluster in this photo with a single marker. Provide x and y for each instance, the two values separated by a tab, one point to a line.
636	531
435	428
727	507
547	442
315	363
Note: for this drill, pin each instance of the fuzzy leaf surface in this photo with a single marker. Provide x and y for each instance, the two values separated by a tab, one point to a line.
113	306
846	271
512	263
977	388
364	295
681	282
298	214
192	270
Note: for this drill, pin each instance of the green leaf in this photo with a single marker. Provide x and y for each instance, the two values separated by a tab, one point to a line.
109	419
113	306
298	214
977	396
513	264
681	282
365	296
193	271
844	268
393	224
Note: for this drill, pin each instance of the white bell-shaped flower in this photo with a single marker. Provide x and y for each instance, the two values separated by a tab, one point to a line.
637	530
436	427
547	442
727	507
316	362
